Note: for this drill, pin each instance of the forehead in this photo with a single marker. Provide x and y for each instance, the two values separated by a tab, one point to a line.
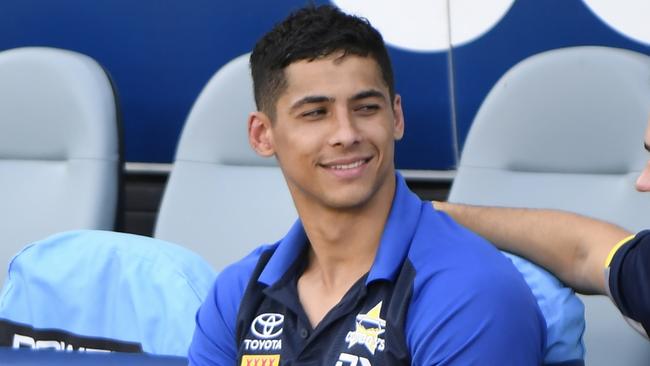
334	75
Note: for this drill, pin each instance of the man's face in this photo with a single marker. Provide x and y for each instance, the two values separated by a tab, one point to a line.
643	182
334	131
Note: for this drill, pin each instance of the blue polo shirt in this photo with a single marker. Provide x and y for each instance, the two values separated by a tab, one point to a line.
435	294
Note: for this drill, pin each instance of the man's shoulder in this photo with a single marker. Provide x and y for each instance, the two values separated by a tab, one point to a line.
637	247
451	260
238	274
232	282
471	272
225	297
629	272
629	264
470	296
440	244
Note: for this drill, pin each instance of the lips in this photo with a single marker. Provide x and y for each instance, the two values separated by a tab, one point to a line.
348	168
356	164
346	164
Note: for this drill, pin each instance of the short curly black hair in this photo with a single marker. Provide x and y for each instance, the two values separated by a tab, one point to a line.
307	34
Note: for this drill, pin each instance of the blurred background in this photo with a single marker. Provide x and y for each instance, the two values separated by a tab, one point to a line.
447	55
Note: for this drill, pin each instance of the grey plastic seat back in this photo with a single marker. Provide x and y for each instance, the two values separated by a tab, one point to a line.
564	129
58	146
221	199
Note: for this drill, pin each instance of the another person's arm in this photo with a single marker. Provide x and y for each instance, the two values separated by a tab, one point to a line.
573	247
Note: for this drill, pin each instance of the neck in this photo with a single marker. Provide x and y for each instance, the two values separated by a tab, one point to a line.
344	241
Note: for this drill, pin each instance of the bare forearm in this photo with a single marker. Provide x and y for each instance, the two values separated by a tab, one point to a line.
571	246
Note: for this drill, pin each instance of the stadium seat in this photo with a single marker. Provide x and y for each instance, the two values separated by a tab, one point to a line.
59	146
563	129
221	199
109	288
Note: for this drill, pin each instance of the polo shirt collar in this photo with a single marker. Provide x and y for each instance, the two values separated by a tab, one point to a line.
288	250
393	247
398	232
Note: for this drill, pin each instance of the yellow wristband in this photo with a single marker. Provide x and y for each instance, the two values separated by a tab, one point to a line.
616	247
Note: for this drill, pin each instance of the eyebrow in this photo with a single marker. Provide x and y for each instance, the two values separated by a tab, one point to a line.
371	93
310	99
647	146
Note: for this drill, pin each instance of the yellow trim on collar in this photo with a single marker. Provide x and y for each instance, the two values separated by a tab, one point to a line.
616	247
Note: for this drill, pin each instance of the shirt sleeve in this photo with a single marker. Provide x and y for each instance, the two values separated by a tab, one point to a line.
481	317
629	278
213	343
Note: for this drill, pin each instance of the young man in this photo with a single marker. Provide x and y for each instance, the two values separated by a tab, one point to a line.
369	274
576	248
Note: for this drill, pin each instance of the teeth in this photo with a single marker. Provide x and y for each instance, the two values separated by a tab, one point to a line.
348	166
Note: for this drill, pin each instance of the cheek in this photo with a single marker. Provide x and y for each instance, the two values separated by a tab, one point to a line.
289	137
296	145
382	132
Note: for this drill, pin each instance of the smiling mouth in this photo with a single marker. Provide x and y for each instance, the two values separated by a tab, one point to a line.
347	166
356	164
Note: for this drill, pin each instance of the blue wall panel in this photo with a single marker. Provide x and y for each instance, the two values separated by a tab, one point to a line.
161	53
422	79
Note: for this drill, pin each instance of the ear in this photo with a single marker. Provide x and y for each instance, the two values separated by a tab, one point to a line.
259	134
398	116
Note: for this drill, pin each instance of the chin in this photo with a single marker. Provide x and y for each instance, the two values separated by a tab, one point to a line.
356	195
349	200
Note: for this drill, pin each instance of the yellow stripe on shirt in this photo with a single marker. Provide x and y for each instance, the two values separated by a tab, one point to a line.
616	247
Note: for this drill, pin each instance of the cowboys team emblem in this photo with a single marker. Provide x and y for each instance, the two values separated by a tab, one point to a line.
369	327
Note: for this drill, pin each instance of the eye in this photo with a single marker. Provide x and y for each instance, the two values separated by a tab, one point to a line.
313	113
367	109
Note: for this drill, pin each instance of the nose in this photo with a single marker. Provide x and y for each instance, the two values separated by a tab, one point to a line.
345	132
643	182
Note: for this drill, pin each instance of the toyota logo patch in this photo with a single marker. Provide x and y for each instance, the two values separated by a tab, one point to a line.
267	325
